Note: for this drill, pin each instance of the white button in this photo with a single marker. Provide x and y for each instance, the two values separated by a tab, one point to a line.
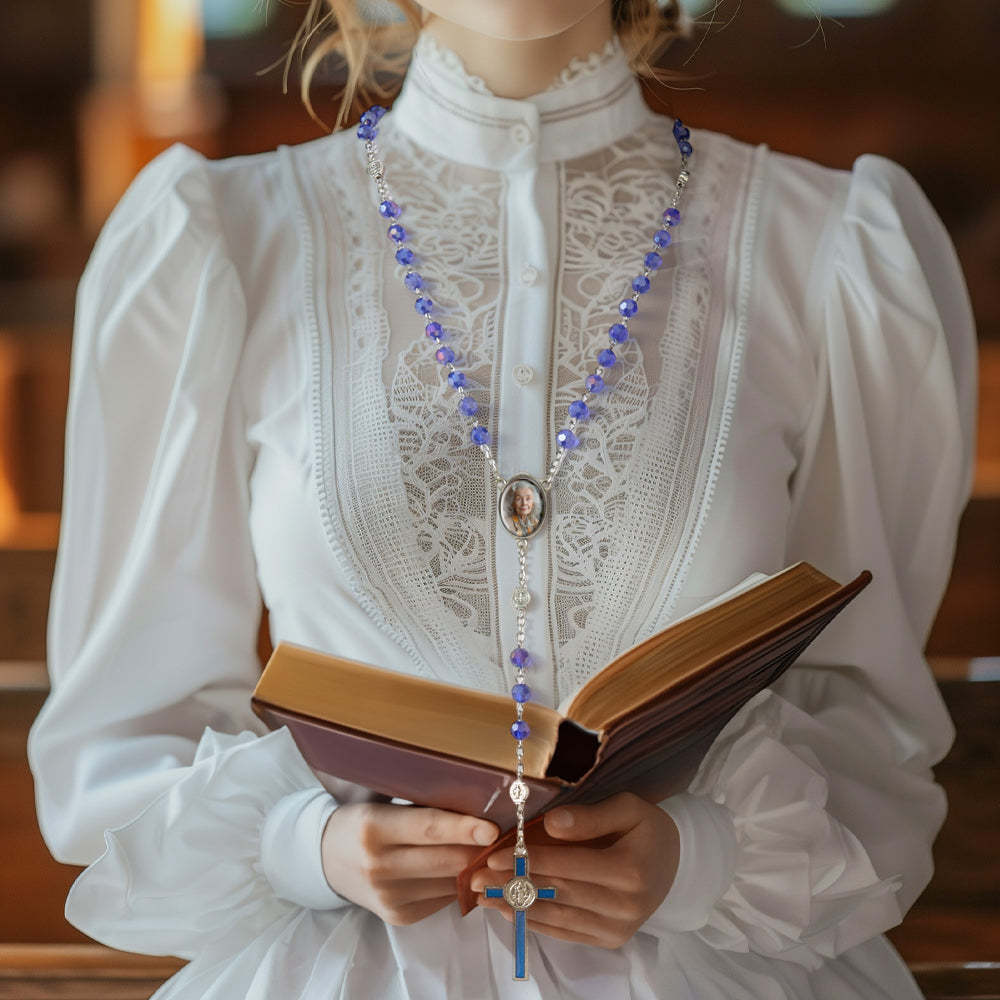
523	374
521	134
529	274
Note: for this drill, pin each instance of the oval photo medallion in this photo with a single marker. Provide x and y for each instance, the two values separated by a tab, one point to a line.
522	506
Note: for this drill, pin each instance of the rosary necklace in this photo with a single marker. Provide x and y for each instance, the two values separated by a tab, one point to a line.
524	504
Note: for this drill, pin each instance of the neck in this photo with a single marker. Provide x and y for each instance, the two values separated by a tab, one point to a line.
520	68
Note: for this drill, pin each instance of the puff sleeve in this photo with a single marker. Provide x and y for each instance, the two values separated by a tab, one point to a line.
149	765
815	811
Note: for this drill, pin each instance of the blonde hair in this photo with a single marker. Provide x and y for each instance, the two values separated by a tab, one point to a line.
376	55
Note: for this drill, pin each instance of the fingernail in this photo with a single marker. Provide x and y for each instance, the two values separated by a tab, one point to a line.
562	818
484	834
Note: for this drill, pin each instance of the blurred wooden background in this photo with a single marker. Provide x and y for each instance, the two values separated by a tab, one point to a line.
92	90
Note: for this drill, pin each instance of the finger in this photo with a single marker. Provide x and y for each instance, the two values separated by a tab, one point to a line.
569	893
416	890
566	934
396	824
424	861
618	814
600	866
410	913
571	925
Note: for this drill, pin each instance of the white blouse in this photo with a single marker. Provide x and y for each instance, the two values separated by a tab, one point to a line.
255	413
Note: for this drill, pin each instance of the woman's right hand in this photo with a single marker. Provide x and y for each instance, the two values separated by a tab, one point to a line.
400	861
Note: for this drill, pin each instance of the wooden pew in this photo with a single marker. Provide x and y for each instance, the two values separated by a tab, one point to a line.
92	972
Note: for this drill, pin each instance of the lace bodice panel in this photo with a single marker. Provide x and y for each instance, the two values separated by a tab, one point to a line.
416	506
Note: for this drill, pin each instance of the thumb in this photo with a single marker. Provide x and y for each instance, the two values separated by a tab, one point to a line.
618	814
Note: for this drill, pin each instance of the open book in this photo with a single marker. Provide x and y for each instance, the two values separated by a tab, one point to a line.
642	723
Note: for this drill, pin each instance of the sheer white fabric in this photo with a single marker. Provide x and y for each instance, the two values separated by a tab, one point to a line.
256	413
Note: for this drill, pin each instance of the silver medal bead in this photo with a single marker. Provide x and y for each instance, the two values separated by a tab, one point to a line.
519	791
521	597
375	168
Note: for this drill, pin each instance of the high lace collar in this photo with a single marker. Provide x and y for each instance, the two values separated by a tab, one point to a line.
593	102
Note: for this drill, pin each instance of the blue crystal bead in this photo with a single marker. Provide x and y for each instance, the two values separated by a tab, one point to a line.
606	358
457	379
520	730
413	281
567	439
521	692
618	332
404	255
396	233
640	284
579	410
433	329
468	405
595	383
521	658
367	131
672	216
389	209
445	354
685	147
377	110
628	307
652	260
681	131
369	118
479	435
662	237
423	305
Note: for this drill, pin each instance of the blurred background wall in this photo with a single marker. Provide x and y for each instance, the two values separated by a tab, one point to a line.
92	89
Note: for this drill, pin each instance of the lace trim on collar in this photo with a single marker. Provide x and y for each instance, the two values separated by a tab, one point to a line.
578	68
433	51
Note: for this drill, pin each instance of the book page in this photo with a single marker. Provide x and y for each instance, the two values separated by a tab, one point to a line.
745	584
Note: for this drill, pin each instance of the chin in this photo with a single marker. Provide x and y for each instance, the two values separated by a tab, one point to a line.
513	20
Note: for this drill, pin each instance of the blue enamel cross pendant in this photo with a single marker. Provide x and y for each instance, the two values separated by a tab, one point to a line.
520	892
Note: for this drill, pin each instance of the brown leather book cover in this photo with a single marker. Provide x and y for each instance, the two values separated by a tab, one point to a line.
619	738
399	770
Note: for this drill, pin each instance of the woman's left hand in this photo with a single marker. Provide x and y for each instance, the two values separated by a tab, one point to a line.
603	895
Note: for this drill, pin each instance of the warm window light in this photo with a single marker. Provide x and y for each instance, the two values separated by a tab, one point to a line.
170	41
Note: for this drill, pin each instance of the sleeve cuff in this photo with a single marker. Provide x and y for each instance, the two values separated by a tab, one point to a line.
706	863
291	849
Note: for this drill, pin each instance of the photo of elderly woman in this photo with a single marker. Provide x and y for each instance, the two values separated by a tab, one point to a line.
522	507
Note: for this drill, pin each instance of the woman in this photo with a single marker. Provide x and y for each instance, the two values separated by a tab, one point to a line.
256	413
523	518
